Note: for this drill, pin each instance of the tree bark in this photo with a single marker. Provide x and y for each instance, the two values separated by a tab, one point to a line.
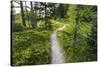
46	20
22	14
76	27
27	14
32	16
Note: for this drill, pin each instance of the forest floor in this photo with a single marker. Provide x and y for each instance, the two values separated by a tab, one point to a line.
57	52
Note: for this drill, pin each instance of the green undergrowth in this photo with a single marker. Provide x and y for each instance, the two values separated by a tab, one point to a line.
31	47
56	24
79	52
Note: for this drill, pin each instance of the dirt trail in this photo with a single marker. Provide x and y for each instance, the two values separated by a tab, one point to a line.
57	52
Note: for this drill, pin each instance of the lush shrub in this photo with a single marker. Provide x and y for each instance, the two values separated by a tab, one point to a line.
79	52
56	24
31	47
16	27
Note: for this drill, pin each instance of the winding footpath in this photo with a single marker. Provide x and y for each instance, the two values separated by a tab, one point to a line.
57	52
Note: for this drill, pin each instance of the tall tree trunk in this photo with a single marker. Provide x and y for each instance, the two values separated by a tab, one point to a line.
54	10
46	19
27	13
35	14
76	27
22	14
32	16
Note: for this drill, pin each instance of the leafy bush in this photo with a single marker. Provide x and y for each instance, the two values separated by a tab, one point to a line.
56	24
17	27
78	45
31	47
81	51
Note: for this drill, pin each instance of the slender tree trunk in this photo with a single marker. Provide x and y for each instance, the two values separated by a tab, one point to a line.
32	16
12	17
46	20
27	14
76	27
35	14
54	10
22	14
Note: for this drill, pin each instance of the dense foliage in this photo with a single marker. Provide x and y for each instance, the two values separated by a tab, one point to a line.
80	45
31	47
32	27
